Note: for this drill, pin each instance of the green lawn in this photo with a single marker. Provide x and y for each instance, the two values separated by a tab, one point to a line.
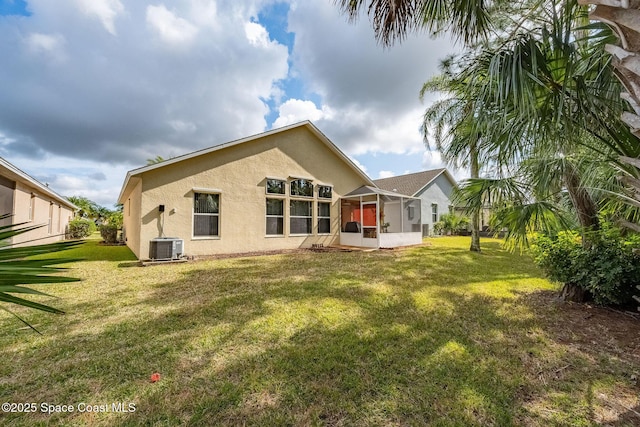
432	335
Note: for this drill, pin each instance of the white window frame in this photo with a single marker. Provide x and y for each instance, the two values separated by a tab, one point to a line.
50	225
32	207
193	215
330	187
266	187
308	181
319	217
310	216
267	215
434	213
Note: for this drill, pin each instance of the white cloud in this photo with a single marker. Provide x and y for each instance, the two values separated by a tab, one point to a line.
362	167
296	110
170	28
432	160
372	92
183	126
204	13
105	10
256	34
386	174
49	45
181	76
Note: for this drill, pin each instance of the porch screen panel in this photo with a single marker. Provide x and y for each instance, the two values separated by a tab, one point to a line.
369	221
350	216
369	215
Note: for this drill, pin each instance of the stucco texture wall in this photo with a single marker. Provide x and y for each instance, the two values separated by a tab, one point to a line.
437	192
239	174
131	217
53	216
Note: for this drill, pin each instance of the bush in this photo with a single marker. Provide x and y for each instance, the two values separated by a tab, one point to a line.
80	228
609	269
451	224
109	233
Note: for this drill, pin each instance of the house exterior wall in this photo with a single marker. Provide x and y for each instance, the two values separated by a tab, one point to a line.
51	214
238	174
7	188
132	218
437	192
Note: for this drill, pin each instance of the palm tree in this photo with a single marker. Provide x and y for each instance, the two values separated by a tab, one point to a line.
538	95
17	269
621	17
155	160
456	133
393	20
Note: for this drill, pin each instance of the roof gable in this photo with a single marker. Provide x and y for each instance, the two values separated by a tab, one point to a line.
310	126
13	173
412	183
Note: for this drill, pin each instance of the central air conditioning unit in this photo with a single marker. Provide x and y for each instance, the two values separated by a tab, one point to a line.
166	248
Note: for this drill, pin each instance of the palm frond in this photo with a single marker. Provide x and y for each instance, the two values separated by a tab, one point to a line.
17	269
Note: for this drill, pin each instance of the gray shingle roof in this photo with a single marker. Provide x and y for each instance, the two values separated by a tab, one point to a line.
408	184
367	190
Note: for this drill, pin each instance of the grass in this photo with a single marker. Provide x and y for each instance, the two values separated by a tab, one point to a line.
433	335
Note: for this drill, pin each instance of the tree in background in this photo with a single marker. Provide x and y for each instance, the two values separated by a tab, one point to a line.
88	208
157	159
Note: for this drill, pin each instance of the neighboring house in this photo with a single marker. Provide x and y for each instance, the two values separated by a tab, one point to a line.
433	187
30	201
283	189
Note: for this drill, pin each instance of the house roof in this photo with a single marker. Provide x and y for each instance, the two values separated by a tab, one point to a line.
367	190
310	126
412	183
10	171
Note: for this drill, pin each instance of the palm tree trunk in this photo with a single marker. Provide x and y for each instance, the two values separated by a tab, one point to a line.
585	207
475	215
587	212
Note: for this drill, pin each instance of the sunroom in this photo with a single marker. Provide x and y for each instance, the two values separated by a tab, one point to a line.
374	218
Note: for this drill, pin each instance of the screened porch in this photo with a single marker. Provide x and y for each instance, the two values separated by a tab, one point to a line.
375	218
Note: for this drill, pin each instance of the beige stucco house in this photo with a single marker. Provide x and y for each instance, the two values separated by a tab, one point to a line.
282	189
29	201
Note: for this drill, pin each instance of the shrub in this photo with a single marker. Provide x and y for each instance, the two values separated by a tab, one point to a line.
109	233
80	228
451	224
609	268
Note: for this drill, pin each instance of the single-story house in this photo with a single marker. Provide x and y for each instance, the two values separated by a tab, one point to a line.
282	189
30	201
433	188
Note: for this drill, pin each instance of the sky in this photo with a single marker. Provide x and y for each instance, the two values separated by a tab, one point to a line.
93	88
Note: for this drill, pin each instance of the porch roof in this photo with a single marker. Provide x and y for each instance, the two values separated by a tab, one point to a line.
367	190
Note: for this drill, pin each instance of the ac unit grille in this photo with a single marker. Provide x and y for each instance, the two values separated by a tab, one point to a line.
165	249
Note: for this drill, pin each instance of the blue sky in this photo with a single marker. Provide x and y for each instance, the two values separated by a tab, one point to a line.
93	88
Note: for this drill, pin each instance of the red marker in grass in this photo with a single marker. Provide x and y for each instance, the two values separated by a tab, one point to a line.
155	377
